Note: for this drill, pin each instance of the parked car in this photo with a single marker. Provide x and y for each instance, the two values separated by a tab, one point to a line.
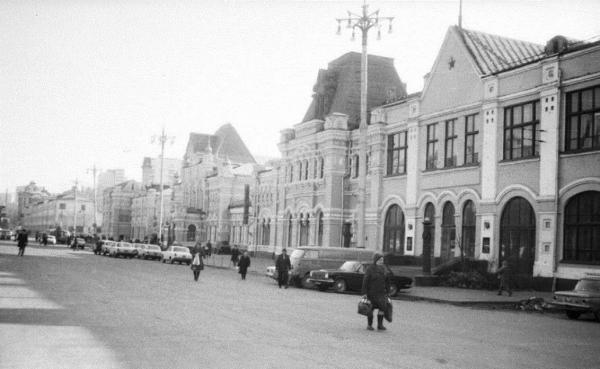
6	234
51	240
178	254
584	298
124	249
138	249
107	246
79	243
349	277
307	258
151	252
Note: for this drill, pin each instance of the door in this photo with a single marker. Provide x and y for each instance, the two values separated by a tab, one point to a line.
517	240
347	234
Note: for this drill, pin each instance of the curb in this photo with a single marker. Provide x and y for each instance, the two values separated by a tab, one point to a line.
492	305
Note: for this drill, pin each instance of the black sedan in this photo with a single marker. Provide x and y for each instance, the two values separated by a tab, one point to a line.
349	277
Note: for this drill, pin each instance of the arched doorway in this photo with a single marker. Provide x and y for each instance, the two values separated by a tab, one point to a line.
191	233
393	231
428	236
304	227
517	239
448	232
468	230
582	228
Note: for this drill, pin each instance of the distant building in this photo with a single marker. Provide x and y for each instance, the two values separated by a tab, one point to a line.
216	170
61	210
28	196
106	179
151	171
117	209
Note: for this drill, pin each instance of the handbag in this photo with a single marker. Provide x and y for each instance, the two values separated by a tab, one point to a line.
365	307
389	310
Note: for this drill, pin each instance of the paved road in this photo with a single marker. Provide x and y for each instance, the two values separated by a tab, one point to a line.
65	309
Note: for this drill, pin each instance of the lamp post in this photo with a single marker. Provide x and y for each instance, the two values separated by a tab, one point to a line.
162	139
363	22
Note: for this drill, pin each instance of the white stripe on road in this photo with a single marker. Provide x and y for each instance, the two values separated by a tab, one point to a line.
45	347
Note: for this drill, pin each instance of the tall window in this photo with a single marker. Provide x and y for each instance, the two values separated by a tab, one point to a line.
468	229
355	165
289	233
582	228
304	226
450	148
305	169
583	120
521	127
320	230
315	169
300	170
431	147
291	172
471	155
393	231
448	231
396	153
321	167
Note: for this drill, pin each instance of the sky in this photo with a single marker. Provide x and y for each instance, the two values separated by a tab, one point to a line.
90	82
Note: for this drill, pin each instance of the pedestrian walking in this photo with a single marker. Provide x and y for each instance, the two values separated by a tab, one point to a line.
504	275
376	286
197	266
283	266
22	241
235	255
244	264
45	239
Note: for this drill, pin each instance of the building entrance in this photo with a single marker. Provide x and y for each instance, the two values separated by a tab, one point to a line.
517	240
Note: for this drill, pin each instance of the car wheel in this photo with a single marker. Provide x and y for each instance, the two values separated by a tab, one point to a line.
305	282
340	285
573	314
393	289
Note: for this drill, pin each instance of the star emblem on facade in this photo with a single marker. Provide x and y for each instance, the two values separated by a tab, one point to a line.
451	62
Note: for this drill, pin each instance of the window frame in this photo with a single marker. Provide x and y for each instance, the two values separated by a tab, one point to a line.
431	164
449	141
471	135
510	126
594	111
401	149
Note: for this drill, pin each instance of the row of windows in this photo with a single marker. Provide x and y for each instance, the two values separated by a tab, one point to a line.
301	171
521	133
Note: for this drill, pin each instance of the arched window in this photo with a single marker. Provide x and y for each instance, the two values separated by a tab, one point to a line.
448	231
517	236
315	169
468	229
299	171
355	166
393	232
191	233
582	228
320	230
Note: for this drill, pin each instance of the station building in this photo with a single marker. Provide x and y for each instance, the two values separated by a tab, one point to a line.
498	158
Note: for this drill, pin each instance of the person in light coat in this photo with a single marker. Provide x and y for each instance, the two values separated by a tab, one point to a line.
197	266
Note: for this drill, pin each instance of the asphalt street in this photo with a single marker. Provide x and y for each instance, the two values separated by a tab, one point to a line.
72	309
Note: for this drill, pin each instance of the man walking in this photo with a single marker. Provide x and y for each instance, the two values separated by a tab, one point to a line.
22	242
504	275
283	266
243	264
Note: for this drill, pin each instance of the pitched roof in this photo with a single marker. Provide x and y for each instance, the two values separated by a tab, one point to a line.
225	143
339	86
493	53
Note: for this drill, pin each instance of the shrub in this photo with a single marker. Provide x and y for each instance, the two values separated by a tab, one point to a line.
470	279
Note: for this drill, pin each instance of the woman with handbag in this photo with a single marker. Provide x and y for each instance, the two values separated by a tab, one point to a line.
197	266
376	288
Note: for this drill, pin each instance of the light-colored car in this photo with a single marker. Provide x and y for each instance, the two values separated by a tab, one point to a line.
107	246
51	240
138	249
178	254
151	252
124	249
584	298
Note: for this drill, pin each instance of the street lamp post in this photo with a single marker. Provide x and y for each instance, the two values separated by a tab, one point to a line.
363	22
162	139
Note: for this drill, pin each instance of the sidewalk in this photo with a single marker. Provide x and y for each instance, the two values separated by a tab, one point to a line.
447	295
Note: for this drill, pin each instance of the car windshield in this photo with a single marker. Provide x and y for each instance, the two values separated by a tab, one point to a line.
350	266
180	249
589	285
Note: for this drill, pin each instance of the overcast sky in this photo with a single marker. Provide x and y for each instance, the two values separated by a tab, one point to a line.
90	82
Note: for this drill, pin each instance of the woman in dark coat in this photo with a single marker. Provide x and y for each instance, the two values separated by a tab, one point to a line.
243	264
376	284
